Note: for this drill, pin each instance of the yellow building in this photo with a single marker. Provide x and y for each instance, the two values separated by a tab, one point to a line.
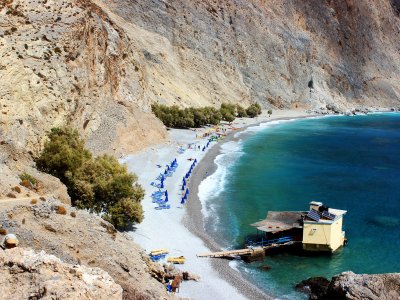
322	228
318	229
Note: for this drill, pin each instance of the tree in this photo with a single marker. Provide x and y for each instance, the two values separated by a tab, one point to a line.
100	184
253	110
241	112
124	212
228	112
63	154
270	112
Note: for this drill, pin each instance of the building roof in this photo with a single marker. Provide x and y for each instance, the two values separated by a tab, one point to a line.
280	221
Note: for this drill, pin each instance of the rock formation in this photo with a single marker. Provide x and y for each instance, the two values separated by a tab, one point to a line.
26	274
81	238
352	286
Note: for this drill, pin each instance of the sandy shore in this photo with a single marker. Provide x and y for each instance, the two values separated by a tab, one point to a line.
180	228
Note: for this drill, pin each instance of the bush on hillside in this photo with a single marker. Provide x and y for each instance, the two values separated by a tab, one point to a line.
63	154
228	112
241	112
174	117
253	110
28	178
98	184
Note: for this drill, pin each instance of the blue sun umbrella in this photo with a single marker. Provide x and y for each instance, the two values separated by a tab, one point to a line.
162	185
187	192
183	200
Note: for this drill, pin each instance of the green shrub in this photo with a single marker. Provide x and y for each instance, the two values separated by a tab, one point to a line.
98	184
253	110
270	112
175	117
241	112
26	177
123	211
228	112
63	154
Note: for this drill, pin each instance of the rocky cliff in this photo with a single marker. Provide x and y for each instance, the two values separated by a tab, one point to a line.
350	286
99	64
77	237
26	274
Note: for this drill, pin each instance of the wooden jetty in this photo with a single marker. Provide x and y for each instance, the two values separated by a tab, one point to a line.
246	253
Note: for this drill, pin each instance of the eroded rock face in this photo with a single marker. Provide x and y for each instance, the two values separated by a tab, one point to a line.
67	62
363	286
271	51
26	274
81	238
350	286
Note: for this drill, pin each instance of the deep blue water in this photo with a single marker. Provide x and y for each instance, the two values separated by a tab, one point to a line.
350	163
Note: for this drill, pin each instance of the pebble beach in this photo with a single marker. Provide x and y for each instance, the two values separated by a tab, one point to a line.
180	228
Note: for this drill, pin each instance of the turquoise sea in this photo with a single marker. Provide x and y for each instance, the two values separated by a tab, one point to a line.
350	163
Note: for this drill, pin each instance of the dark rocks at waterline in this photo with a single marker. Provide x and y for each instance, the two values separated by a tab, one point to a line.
352	286
315	287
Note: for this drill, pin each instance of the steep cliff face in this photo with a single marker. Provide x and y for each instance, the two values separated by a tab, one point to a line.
269	51
98	64
66	62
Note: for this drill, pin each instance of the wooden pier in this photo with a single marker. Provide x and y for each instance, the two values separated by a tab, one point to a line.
247	252
230	253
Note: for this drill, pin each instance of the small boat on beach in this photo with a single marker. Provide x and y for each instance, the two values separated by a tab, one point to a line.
176	260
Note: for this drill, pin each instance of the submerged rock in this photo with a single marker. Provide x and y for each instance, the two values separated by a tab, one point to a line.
385	221
315	287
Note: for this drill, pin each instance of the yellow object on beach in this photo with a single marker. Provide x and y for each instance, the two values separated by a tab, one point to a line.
177	260
159	252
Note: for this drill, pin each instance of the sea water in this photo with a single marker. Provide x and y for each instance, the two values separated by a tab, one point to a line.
350	163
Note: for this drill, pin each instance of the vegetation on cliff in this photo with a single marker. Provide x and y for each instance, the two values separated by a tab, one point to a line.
175	117
99	184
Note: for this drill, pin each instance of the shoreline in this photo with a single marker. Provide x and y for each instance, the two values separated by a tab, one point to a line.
194	218
180	229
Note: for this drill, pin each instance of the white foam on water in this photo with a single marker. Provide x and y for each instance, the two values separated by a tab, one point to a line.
213	185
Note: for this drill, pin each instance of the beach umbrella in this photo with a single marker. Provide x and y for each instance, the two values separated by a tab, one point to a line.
166	196
183	186
204	148
165	172
183	200
187	192
187	175
162	185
